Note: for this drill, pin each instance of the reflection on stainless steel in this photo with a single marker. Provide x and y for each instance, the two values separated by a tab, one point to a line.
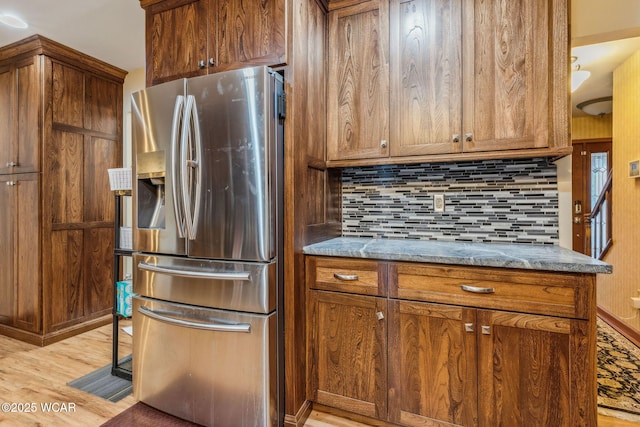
207	273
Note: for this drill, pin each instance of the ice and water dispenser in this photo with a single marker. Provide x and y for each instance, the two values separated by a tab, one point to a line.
150	182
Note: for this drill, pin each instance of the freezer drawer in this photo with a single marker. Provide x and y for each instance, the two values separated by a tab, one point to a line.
211	367
240	286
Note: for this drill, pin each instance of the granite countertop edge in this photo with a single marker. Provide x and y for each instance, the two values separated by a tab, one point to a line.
506	255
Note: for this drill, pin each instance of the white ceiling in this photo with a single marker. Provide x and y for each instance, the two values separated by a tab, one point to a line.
110	30
604	33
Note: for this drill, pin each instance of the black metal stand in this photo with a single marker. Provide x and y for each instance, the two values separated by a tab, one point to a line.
119	368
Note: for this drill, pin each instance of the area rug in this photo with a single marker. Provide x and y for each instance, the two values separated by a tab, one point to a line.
102	384
141	415
618	372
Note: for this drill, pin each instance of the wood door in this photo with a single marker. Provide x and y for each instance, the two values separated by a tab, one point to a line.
176	40
432	364
246	33
358	82
513	52
529	367
426	77
348	352
20	110
591	161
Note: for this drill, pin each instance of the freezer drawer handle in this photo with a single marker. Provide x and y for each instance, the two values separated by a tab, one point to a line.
239	275
222	326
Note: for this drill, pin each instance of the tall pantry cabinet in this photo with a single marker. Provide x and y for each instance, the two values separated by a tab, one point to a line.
60	130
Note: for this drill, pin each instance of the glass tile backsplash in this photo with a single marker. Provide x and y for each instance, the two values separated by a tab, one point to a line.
514	201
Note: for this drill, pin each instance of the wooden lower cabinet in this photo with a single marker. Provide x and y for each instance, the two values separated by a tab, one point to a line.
348	352
484	359
468	367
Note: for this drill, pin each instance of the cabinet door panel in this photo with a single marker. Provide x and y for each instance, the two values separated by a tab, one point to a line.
97	270
248	32
426	76
358	90
66	290
27	251
8	196
65	171
348	350
99	155
68	95
103	101
507	86
432	364
28	119
176	40
525	369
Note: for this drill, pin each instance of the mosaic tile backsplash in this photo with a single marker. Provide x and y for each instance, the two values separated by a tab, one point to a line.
504	201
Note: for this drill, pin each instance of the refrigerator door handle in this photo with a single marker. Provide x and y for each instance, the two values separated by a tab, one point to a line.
219	325
236	275
191	172
175	137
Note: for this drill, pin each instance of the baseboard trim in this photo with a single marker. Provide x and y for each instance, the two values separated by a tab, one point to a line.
300	417
630	333
52	337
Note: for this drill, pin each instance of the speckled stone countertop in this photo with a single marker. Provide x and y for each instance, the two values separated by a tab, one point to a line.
532	257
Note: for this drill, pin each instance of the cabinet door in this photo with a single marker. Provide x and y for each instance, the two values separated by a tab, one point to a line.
358	83
426	77
176	38
432	364
512	52
20	122
20	244
528	367
347	352
247	33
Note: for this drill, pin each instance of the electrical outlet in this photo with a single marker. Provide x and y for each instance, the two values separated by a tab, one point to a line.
438	202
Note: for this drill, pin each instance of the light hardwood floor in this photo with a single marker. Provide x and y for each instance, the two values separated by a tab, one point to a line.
31	377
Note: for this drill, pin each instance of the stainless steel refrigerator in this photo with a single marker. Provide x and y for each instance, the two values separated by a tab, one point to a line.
207	232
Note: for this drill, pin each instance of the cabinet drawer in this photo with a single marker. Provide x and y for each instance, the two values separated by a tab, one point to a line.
357	276
557	294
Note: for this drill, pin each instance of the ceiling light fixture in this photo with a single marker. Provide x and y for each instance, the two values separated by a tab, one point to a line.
578	77
597	106
12	21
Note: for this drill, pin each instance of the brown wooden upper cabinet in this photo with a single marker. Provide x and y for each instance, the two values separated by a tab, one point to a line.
186	38
464	80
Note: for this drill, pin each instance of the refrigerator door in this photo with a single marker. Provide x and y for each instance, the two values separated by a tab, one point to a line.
232	202
156	128
212	367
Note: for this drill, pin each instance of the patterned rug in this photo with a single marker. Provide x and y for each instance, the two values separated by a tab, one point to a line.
618	373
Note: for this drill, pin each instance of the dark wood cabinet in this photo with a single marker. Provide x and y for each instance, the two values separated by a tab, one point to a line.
187	38
358	81
464	80
466	346
66	110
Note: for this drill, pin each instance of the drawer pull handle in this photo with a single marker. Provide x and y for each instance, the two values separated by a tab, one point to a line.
346	277
477	290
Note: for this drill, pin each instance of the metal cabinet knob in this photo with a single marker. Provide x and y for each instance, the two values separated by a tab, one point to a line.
10	183
11	164
380	315
468	327
202	64
212	61
486	330
455	137
383	143
468	137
